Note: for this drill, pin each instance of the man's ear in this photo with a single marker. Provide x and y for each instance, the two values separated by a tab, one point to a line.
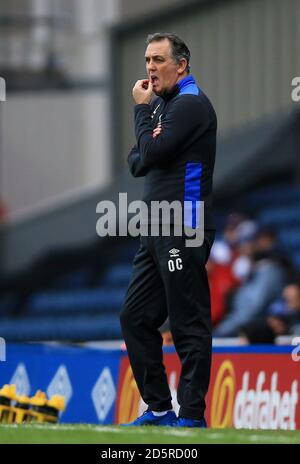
182	66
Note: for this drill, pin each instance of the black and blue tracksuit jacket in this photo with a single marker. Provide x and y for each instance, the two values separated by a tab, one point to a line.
178	164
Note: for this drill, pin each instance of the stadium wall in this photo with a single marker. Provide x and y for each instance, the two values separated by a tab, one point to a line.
253	387
53	144
69	224
244	56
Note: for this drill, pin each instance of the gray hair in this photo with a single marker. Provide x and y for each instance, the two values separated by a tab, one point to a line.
178	47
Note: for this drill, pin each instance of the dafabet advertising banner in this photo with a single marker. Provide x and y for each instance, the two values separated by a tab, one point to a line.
251	387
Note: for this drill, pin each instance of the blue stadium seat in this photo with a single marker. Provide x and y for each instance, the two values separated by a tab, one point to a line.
78	278
296	259
280	217
118	275
51	328
76	301
274	196
290	238
6	305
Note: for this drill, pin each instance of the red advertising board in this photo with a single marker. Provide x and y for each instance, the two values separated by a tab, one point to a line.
249	388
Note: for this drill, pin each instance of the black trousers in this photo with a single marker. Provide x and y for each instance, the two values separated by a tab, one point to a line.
170	280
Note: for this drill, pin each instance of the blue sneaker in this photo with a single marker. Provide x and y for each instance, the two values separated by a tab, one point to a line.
148	418
186	422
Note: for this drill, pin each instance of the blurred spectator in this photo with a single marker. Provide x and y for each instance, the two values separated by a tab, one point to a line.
229	263
266	239
267	243
245	246
230	229
221	278
263	275
283	318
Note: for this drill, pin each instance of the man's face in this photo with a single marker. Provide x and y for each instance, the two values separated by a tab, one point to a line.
162	70
291	293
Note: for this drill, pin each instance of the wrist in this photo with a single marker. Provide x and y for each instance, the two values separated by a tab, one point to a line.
143	102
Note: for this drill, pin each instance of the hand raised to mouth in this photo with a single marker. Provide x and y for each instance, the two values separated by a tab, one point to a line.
142	91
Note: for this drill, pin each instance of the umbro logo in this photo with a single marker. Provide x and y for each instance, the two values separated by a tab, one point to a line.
174	253
175	264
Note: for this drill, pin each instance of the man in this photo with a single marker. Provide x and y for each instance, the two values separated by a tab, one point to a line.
175	151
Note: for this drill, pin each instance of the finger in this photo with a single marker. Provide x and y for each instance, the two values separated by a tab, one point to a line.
143	82
139	84
156	133
150	87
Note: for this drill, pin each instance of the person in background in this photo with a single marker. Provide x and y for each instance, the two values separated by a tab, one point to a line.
263	276
283	318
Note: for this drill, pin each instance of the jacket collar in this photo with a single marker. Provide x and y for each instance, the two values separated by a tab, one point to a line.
180	86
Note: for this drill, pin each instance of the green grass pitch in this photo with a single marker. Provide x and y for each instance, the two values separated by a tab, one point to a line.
77	433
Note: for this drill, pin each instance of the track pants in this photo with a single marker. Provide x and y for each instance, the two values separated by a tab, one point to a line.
170	280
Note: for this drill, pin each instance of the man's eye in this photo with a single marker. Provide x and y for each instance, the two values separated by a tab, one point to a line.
159	60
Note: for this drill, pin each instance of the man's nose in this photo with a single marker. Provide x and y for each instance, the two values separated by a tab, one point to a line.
151	66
